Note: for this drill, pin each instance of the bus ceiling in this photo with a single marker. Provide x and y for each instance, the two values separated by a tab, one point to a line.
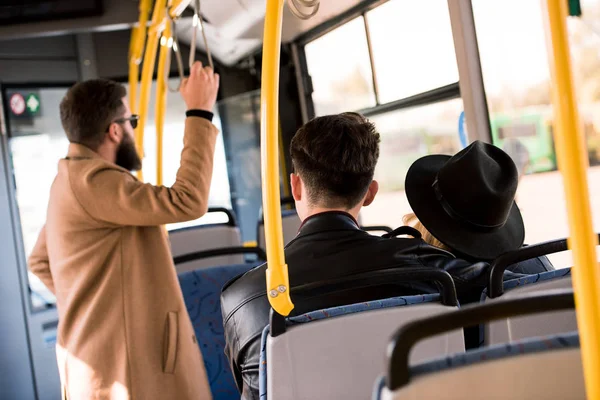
234	28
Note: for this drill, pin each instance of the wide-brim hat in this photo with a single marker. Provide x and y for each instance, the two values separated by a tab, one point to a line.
466	201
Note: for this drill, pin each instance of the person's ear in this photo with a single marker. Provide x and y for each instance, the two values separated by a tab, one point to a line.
371	193
115	133
296	184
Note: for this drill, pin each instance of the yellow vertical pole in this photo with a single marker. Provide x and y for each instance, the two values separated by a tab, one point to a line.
158	21
571	154
136	48
278	287
161	99
134	71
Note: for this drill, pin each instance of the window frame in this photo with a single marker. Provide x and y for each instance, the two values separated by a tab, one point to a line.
17	227
442	93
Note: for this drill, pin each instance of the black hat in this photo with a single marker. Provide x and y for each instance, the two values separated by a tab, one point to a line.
467	201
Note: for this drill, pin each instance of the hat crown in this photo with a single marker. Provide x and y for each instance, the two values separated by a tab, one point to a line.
478	186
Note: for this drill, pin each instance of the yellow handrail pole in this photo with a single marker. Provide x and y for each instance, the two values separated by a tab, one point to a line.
570	149
134	72
136	48
161	99
154	32
278	287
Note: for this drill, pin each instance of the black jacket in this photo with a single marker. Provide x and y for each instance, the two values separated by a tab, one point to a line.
329	246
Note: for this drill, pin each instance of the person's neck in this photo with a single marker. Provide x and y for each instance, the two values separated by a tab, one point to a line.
106	153
319	210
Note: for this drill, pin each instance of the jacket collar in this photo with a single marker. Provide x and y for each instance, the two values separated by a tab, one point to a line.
79	151
328	221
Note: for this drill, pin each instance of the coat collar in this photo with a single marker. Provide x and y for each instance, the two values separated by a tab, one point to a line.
328	221
79	151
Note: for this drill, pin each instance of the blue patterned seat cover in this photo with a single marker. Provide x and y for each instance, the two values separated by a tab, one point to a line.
288	213
360	307
531	279
525	346
202	295
332	313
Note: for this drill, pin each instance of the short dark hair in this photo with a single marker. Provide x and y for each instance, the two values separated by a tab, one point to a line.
336	155
88	109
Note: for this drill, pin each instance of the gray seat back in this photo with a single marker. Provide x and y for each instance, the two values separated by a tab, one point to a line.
535	368
497	290
207	237
339	353
548	323
542	368
290	225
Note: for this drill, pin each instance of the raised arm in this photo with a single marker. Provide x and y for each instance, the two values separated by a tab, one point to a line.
114	196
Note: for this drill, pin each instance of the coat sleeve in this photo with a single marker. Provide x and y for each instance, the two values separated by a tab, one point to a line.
39	263
114	196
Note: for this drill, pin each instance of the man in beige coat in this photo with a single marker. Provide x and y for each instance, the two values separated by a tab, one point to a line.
124	332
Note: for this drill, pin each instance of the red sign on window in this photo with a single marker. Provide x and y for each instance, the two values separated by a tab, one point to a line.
17	104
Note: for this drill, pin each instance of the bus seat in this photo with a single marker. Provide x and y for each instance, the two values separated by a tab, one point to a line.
202	295
536	368
549	323
335	353
290	224
503	331
544	367
206	237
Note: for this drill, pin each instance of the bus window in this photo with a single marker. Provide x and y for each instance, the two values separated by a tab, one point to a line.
339	66
173	145
413	50
517	131
407	135
516	76
36	143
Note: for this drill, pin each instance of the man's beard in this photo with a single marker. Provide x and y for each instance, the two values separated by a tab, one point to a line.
127	156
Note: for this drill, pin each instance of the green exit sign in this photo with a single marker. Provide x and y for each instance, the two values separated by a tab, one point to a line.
33	104
574	8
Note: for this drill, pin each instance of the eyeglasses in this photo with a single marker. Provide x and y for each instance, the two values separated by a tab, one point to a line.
133	120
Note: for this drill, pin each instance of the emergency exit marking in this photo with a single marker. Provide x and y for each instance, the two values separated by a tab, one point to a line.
17	104
33	103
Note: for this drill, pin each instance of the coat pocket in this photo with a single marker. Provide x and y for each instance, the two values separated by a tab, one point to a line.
170	342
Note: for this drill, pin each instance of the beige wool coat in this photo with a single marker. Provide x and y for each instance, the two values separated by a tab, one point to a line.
124	331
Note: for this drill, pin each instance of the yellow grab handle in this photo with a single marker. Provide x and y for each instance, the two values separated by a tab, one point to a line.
571	154
161	100
278	286
158	24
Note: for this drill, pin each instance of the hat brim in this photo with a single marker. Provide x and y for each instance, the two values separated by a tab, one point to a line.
453	233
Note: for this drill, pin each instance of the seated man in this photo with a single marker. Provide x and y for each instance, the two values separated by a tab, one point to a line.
334	159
